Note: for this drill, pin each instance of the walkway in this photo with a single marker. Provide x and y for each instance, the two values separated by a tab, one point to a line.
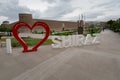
97	62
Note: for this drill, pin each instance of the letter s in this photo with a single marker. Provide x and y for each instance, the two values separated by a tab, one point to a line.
57	42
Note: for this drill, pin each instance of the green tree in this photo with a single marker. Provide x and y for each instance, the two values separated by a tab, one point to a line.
8	30
114	25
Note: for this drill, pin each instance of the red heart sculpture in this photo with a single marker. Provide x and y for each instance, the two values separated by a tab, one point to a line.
22	42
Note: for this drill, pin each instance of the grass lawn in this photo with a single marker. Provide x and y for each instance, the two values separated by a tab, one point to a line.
2	39
64	33
94	31
30	42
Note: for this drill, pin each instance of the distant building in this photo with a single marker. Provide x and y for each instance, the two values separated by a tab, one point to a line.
5	24
103	24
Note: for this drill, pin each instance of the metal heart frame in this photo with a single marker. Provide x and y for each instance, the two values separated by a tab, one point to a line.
22	42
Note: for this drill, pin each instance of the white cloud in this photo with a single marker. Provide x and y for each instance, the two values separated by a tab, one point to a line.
40	5
61	9
3	18
72	14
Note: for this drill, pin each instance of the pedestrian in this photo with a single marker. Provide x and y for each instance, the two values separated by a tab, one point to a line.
103	28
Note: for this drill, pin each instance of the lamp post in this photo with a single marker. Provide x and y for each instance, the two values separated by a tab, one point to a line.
80	27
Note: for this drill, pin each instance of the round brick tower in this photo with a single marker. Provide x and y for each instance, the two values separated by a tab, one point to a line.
25	18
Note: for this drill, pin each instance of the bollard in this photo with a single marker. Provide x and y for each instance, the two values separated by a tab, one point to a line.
8	46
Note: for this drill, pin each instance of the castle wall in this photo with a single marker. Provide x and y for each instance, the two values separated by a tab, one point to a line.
58	25
53	24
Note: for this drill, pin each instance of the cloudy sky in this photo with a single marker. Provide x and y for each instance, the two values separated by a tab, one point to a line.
93	10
